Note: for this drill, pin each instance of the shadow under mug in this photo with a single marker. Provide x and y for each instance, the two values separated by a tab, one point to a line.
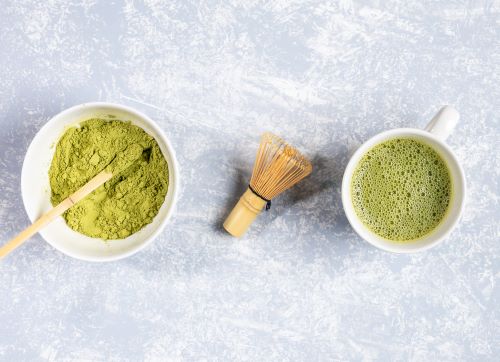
434	135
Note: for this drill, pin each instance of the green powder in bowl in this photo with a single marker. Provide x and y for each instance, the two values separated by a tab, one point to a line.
124	204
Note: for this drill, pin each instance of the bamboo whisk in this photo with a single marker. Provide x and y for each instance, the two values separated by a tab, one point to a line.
278	166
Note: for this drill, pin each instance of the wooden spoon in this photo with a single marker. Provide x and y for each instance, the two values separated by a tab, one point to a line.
55	212
122	160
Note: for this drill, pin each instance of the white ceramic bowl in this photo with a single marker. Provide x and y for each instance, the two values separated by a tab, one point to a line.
35	185
434	135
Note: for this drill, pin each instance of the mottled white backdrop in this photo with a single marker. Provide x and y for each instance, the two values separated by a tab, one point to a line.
215	75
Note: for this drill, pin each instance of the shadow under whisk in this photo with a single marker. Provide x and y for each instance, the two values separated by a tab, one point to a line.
323	177
323	184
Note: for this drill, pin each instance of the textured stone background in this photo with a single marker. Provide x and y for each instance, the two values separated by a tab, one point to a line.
301	285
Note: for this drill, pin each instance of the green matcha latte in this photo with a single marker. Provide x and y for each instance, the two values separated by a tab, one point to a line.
401	189
127	202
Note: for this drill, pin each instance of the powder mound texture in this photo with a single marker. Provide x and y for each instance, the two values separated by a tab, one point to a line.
135	193
401	189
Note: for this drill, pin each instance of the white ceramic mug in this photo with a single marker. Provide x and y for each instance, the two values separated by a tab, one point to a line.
434	135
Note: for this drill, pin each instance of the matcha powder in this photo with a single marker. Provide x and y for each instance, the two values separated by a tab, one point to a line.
127	202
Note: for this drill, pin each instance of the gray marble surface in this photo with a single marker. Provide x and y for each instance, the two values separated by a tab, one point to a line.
301	285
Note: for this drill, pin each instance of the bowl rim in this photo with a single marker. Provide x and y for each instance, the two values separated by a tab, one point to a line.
173	170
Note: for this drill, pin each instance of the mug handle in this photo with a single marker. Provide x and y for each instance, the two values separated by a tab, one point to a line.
443	122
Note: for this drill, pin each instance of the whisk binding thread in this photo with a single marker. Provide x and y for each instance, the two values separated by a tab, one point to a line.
268	202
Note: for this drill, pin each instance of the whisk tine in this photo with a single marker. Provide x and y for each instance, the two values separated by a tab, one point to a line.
278	166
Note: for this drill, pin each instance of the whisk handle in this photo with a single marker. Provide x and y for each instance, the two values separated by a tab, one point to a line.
244	213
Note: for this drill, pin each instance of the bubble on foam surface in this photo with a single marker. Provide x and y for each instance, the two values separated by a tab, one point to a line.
401	189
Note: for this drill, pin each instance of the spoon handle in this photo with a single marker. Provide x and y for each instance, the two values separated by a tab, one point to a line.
56	211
